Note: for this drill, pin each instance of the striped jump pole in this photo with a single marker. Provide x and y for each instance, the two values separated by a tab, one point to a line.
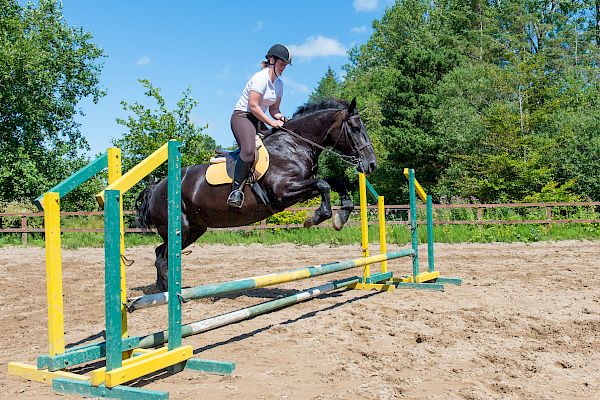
216	289
218	321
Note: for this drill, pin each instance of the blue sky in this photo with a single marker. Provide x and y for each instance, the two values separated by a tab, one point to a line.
213	47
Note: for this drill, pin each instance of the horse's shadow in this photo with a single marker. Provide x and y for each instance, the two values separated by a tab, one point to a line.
148	289
87	340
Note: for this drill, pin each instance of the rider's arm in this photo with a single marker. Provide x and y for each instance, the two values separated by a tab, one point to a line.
253	101
274	110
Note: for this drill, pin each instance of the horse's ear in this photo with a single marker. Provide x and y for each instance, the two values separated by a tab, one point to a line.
352	106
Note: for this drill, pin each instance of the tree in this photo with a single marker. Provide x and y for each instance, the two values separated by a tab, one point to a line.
46	68
149	129
411	49
328	86
492	100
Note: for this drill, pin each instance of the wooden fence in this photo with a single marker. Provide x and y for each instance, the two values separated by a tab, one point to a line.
389	209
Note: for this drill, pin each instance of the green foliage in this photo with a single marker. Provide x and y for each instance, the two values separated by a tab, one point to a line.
149	129
46	68
294	217
552	192
18	207
495	101
288	217
328	86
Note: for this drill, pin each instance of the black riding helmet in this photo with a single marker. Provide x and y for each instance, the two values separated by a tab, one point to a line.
280	51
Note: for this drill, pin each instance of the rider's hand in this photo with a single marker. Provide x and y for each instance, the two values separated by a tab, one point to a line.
276	123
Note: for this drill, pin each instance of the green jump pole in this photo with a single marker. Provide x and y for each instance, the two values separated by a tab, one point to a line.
413	222
204	325
216	289
430	261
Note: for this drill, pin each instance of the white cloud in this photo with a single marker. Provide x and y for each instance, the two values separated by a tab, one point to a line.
318	46
359	29
143	61
365	5
258	26
293	87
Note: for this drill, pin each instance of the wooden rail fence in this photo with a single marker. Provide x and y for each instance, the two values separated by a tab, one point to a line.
389	209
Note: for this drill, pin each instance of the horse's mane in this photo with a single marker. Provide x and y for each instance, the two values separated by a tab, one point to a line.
319	105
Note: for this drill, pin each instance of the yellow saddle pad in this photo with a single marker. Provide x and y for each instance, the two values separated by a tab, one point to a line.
221	169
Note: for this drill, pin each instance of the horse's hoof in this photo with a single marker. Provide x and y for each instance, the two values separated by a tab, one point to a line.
308	222
337	222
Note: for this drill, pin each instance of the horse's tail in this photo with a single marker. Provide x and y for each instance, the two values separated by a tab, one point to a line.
143	219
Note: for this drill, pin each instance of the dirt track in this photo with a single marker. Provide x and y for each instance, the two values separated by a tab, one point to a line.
524	325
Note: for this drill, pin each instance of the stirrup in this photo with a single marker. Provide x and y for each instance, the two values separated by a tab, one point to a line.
236	198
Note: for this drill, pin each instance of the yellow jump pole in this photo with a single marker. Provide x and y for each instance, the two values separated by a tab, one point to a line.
114	173
364	223
54	290
382	238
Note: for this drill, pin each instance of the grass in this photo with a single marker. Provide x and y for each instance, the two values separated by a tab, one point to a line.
349	235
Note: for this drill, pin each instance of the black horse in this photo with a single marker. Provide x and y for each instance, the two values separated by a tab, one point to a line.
290	179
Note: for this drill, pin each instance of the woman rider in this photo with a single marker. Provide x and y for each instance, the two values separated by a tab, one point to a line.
262	92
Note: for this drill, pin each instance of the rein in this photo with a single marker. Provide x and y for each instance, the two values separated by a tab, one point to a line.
350	160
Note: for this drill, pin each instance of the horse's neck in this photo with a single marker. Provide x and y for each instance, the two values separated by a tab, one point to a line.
314	126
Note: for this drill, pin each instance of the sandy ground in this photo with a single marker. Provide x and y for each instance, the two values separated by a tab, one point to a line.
524	325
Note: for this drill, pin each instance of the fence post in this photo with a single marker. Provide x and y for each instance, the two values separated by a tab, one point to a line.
24	227
479	215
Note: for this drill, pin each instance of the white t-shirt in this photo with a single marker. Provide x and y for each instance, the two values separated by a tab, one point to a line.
261	83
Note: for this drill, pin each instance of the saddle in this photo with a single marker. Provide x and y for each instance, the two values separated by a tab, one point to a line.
220	172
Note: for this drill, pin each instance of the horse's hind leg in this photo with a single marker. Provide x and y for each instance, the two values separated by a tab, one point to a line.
189	234
162	267
193	233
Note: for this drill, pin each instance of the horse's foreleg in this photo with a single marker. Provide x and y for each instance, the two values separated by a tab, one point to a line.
347	206
324	210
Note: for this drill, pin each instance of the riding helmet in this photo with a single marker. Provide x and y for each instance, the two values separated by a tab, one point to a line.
280	51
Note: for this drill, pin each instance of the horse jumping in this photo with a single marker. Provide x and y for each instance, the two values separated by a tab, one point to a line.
291	178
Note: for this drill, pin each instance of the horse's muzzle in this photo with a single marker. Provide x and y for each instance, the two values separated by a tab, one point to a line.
367	166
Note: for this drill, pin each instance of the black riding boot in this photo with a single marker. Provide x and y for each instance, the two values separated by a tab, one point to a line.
236	197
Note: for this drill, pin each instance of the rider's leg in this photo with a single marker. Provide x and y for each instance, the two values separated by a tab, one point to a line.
243	126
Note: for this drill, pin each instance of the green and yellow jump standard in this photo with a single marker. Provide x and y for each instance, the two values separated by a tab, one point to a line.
430	280
49	366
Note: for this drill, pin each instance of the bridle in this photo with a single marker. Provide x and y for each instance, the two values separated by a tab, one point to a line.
353	160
